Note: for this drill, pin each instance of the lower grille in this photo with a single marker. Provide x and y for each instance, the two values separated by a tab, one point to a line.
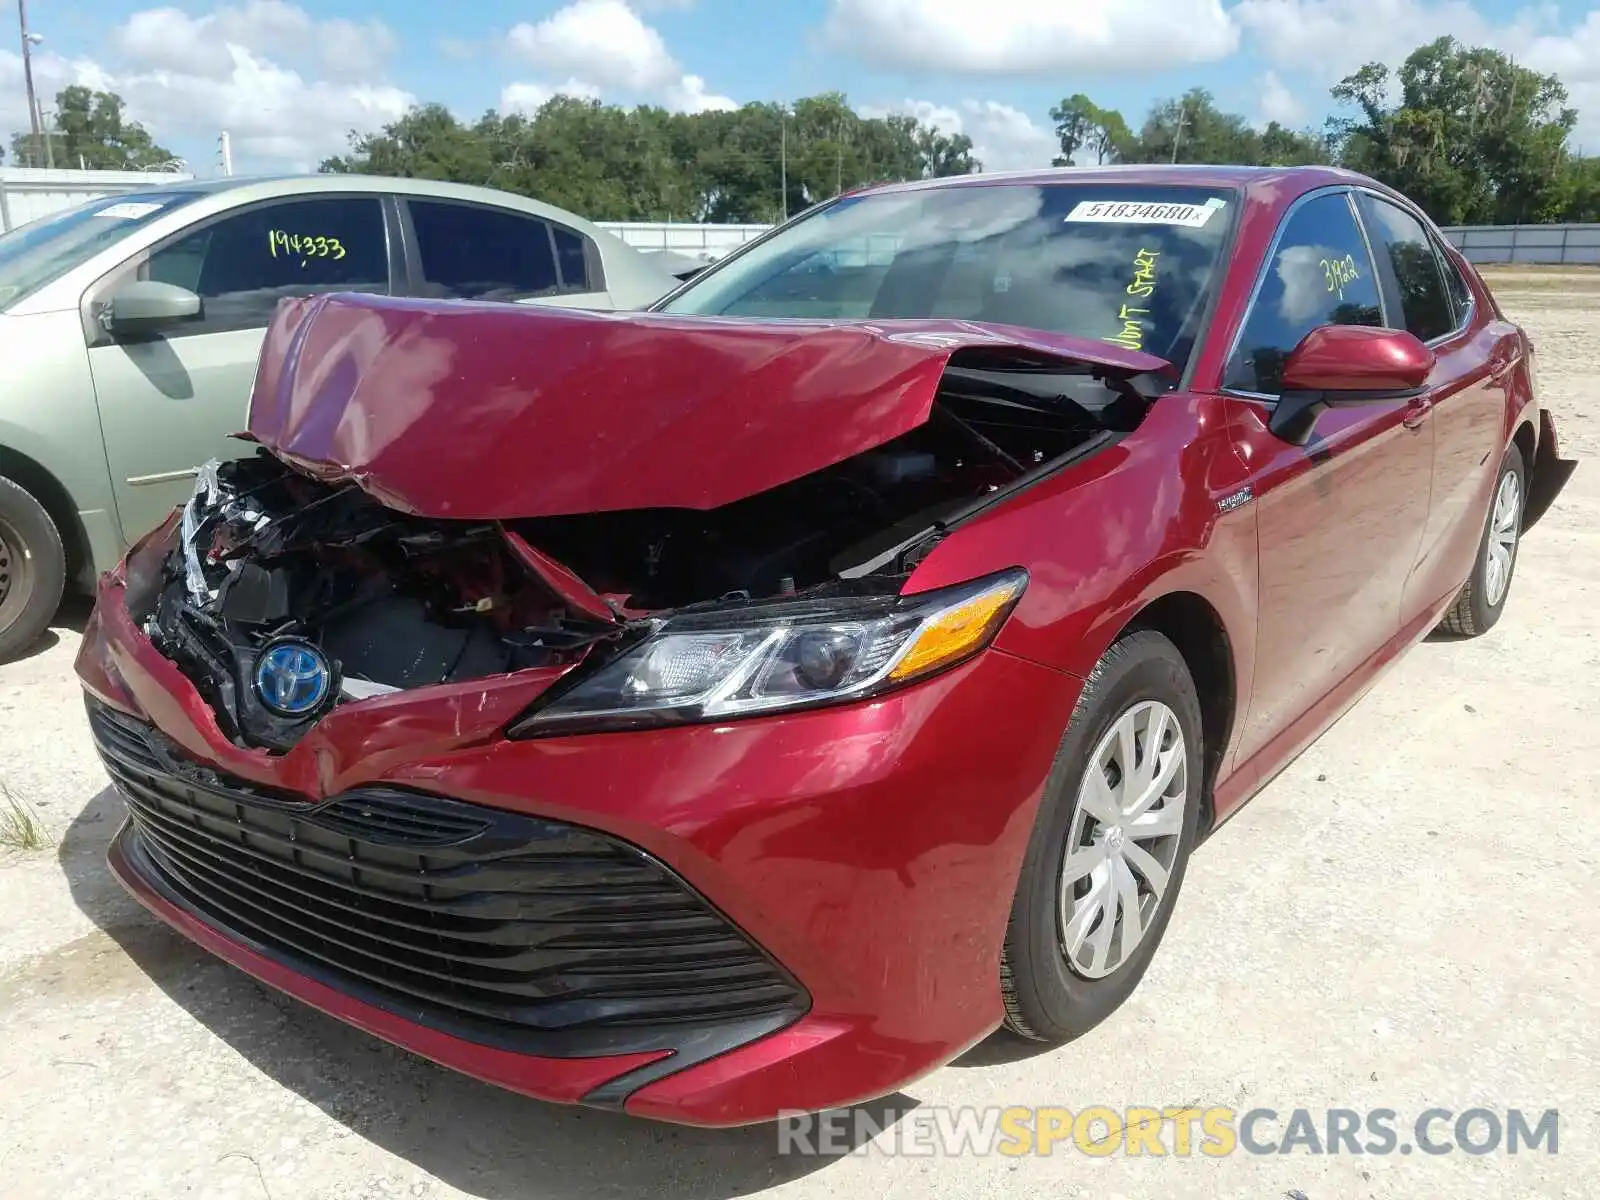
480	922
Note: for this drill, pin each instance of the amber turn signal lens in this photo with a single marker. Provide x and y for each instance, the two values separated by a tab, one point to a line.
957	631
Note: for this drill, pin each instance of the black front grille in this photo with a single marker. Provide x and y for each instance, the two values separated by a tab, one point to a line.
478	921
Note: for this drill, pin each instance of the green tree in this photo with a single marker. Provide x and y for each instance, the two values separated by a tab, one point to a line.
1281	147
1579	190
1192	129
1082	125
1470	136
427	143
648	164
90	130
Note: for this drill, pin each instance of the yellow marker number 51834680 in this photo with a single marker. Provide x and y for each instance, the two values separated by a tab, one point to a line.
286	245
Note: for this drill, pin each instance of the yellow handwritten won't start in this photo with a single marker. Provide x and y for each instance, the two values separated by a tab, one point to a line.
1131	335
307	246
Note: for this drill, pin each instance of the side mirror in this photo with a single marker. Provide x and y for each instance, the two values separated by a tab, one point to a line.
1336	365
147	306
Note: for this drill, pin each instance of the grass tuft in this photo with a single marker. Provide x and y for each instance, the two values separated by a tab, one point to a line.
20	826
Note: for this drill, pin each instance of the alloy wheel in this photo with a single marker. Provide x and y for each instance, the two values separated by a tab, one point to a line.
10	564
1124	837
1504	526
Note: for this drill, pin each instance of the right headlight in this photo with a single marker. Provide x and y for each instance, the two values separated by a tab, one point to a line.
772	657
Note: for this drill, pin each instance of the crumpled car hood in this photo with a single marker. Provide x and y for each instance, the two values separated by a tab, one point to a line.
453	409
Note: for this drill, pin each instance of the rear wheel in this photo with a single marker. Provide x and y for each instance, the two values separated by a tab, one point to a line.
33	569
1483	597
1110	845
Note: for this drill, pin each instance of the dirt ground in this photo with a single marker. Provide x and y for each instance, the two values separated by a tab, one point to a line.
1405	919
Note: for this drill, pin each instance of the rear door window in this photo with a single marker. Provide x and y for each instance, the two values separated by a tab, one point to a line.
572	259
1320	274
471	252
1411	262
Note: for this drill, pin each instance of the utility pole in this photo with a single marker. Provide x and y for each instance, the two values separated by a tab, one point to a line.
28	41
783	158
49	141
838	161
1177	138
225	150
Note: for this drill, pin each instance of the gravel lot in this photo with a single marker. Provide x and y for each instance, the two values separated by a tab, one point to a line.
1405	919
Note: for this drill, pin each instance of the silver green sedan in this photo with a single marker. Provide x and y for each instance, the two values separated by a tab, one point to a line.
130	327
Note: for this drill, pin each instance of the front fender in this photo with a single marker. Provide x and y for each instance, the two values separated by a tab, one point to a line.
1112	533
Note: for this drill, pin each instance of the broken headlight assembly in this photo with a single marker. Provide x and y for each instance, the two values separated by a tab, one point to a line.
775	657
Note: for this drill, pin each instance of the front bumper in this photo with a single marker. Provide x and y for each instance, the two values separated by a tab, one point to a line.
859	862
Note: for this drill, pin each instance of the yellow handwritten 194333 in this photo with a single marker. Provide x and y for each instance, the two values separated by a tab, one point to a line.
305	245
1131	335
1339	272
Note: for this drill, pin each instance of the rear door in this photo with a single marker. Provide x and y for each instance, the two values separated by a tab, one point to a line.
1476	358
168	402
465	251
1339	519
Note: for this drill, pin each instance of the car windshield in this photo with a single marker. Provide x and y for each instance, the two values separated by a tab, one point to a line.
34	254
1133	265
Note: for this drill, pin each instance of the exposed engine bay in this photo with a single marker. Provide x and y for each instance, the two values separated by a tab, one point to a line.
393	601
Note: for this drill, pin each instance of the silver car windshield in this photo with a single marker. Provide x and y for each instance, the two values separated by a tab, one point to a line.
1130	264
40	251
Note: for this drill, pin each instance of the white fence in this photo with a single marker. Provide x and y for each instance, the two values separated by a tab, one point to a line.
704	242
1545	244
28	193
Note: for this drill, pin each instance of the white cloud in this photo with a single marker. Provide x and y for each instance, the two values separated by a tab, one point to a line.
287	87
1031	36
606	41
528	98
1327	39
1575	57
170	39
1278	103
689	95
1003	138
271	112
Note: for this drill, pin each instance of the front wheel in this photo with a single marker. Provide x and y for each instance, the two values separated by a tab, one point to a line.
33	569
1483	597
1110	844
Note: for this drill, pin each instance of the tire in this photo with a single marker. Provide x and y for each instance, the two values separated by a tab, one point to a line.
1051	995
1483	597
33	569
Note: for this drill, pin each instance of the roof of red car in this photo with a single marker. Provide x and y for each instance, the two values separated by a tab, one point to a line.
1274	182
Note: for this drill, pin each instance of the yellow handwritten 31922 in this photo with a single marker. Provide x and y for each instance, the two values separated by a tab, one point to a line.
1338	272
1131	335
305	245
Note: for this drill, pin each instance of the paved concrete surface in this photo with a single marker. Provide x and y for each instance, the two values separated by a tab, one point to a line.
1405	919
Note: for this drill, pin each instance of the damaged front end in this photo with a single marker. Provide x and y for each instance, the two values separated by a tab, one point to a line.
728	534
283	597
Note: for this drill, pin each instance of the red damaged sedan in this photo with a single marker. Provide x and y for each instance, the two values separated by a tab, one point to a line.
748	705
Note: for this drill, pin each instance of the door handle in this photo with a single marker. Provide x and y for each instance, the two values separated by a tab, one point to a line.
1417	412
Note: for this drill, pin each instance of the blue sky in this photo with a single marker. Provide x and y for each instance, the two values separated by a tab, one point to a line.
289	78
